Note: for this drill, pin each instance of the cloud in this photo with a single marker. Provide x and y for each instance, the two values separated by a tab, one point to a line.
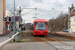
37	1
44	8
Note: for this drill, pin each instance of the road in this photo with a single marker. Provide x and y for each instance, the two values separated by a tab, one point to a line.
45	45
40	46
4	37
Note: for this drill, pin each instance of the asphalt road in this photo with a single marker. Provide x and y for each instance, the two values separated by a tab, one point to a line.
4	37
39	46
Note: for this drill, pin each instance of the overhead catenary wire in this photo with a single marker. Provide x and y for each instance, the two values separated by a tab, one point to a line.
40	5
27	12
60	8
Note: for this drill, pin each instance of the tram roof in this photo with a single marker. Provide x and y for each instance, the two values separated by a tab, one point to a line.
40	20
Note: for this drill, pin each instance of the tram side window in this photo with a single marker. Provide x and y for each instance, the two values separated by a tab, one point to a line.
32	27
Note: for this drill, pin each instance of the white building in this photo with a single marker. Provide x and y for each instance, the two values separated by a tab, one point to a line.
72	23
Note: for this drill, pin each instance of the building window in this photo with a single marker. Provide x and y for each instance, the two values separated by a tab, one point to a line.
74	20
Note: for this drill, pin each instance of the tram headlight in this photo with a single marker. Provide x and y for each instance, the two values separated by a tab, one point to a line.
36	32
45	32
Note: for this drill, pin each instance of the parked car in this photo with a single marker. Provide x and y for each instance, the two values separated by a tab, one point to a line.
65	30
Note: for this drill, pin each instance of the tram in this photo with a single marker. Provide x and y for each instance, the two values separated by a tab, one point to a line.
40	27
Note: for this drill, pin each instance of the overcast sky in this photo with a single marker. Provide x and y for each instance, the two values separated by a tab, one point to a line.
44	8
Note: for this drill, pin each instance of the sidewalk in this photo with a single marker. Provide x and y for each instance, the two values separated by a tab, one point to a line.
4	37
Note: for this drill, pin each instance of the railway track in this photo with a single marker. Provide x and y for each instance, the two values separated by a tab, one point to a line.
64	36
28	37
51	39
59	38
46	39
46	42
33	38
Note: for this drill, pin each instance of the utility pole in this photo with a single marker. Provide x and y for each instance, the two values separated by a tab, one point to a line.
64	23
20	15
14	16
35	12
10	23
14	20
69	20
24	22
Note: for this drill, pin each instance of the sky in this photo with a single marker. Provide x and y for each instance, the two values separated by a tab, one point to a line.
46	9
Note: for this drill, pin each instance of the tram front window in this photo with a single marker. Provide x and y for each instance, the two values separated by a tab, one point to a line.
41	25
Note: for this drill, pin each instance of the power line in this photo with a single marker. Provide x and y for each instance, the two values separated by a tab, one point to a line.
27	12
39	4
42	4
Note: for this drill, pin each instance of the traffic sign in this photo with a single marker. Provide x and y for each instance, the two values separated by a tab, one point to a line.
9	18
7	23
8	30
16	19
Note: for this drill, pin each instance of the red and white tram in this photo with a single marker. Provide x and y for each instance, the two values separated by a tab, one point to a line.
40	27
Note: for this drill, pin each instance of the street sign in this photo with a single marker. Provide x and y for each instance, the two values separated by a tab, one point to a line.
16	19
7	23
8	30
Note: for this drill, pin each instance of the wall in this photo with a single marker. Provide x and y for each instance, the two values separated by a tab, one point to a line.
1	16
72	25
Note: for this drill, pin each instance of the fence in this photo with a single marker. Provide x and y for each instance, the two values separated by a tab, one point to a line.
7	41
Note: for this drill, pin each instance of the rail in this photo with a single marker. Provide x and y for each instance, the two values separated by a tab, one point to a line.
8	40
47	42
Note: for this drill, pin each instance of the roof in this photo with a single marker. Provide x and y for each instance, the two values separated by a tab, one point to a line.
72	17
40	20
72	14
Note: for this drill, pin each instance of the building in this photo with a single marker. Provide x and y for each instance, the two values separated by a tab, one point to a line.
72	18
2	14
72	23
